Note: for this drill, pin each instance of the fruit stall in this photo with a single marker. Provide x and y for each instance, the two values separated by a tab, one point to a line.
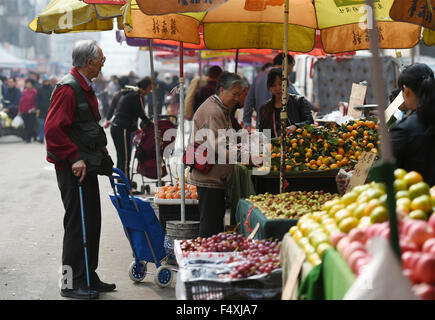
336	240
275	214
168	200
314	155
228	266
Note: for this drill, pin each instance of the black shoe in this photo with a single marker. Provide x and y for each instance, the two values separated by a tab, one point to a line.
80	293
103	287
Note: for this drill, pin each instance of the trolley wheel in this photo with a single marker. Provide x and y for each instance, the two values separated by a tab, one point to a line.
148	189
163	276
134	185
137	275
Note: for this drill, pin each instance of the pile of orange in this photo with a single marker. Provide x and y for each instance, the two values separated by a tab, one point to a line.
174	192
322	148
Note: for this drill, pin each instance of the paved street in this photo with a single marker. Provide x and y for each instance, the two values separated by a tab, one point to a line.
31	231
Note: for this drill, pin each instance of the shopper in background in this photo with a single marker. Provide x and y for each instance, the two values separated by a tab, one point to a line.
27	109
298	108
130	108
123	81
259	94
161	90
11	98
207	90
413	137
189	100
42	104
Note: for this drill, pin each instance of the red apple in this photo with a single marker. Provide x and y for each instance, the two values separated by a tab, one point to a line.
358	235
410	259
352	247
425	291
407	245
425	268
406	225
428	245
336	237
406	259
355	256
410	274
343	243
431	221
385	233
361	264
420	232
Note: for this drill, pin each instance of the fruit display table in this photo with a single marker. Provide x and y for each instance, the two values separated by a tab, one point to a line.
289	253
297	181
241	187
329	280
170	209
247	215
228	266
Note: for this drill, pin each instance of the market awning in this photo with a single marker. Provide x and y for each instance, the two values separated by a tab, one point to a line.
7	60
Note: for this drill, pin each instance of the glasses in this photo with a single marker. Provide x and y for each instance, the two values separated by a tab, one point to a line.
102	60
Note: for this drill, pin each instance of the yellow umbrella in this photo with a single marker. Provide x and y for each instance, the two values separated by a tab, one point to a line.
258	24
419	12
63	16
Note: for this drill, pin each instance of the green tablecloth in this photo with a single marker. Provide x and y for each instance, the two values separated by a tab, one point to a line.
330	280
248	216
242	187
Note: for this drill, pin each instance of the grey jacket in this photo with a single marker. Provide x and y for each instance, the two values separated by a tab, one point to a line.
213	115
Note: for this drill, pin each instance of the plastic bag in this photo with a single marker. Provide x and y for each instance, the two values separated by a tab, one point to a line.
18	122
342	179
380	276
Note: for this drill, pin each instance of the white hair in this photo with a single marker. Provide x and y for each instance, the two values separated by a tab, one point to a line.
83	51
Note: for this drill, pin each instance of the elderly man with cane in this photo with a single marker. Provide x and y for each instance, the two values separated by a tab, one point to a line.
76	144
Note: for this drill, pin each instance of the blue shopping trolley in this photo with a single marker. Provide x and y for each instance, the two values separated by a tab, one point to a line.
143	231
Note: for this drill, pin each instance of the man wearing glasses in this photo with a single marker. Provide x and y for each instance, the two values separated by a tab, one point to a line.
76	144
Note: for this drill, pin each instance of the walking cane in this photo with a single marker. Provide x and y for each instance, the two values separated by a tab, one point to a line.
84	239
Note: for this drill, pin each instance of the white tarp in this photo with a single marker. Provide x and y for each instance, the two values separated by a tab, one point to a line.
7	60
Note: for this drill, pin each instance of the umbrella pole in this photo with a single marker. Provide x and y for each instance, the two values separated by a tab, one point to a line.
155	115
200	65
385	171
283	114
183	191
237	60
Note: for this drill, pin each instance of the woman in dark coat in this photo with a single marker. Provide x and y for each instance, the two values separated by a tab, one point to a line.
130	108
298	108
413	138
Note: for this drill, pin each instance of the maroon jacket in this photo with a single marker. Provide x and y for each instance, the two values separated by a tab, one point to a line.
60	117
27	100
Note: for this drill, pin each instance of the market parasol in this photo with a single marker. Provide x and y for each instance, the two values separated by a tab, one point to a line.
253	26
419	12
64	16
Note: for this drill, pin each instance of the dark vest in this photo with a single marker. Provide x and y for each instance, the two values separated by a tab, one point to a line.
86	133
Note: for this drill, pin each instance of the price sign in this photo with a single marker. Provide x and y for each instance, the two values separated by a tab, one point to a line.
292	277
357	97
394	106
362	169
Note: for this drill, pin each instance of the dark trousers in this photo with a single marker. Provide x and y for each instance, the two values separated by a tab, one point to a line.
29	125
123	152
73	250
211	210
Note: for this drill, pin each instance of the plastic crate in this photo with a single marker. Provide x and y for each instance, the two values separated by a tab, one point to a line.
168	212
267	287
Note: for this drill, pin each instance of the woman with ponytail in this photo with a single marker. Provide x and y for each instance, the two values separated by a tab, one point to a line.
413	138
